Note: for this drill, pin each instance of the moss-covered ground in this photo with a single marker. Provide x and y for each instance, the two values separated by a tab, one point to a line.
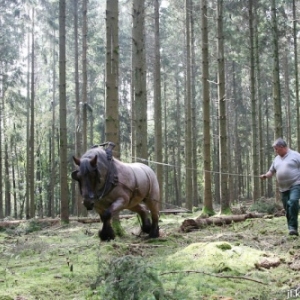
255	259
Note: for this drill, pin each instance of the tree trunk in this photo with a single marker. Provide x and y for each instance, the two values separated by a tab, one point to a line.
208	205
51	210
6	167
225	201
261	127
15	177
64	195
32	125
1	150
157	102
39	198
166	142
276	81
188	115
178	140
194	127
215	163
79	207
112	75
84	75
27	193
255	157
288	131
296	73
278	125
112	133
139	80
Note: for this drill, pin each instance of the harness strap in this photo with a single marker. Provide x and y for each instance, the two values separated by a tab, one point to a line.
111	176
111	181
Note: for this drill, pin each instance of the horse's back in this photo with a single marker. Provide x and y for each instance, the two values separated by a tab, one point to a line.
144	174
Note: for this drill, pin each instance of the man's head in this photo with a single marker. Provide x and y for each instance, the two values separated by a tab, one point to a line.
280	147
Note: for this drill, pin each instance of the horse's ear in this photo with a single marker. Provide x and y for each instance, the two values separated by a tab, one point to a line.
76	160
93	161
75	175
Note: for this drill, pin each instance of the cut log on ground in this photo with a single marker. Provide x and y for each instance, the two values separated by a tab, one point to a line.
189	225
85	220
52	222
14	223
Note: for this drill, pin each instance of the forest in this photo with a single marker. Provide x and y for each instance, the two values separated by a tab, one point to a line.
196	89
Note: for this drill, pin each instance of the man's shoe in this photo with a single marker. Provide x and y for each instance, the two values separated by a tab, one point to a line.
293	232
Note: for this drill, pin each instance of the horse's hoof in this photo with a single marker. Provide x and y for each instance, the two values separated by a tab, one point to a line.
154	234
146	226
105	236
146	229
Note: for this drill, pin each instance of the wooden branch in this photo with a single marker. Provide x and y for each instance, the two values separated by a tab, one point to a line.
216	275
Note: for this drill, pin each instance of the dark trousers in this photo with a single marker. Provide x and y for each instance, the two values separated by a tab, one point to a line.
290	201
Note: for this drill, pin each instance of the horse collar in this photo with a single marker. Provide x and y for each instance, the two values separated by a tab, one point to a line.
111	180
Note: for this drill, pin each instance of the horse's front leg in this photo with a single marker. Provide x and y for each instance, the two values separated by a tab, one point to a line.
107	233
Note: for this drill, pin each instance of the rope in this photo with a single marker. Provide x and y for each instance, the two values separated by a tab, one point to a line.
195	169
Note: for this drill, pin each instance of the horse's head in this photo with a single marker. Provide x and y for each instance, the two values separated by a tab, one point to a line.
88	178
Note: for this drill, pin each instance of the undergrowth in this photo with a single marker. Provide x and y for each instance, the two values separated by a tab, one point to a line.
268	206
128	278
70	263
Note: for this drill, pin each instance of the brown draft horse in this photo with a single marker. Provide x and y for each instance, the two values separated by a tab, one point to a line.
109	186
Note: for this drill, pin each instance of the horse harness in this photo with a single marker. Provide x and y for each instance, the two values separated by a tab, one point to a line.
112	179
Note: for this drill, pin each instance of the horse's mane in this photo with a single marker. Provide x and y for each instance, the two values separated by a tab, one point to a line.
85	166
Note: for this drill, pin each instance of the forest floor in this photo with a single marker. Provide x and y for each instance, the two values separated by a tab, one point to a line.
254	259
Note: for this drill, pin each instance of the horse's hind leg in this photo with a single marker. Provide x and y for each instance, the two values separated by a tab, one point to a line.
152	205
142	211
154	232
147	226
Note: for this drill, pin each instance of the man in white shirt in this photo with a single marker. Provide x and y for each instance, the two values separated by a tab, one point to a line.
286	166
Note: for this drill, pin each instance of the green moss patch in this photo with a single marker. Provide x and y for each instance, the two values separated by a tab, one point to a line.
216	257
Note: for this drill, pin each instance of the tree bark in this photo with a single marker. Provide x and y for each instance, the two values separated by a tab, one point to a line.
188	115
194	127
225	201
64	195
255	157
296	72
157	102
78	206
84	75
139	81
276	81
32	125
208	205
53	171
112	75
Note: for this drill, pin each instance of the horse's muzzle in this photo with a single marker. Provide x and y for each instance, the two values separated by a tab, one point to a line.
89	204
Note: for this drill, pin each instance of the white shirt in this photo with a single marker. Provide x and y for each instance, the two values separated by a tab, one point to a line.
287	170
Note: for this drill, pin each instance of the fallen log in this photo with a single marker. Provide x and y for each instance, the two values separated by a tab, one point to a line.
52	222
84	220
14	223
189	225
